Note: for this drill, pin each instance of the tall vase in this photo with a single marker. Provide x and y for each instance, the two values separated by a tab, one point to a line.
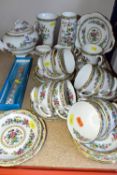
47	24
67	34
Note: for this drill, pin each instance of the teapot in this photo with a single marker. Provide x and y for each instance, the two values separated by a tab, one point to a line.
21	40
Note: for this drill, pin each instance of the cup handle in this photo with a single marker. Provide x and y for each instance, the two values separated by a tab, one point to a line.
100	59
85	94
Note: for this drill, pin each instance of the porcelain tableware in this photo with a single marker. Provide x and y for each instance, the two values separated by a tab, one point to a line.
21	40
86	73
47	64
67	34
21	132
69	92
83	118
92	53
94	28
107	84
107	157
34	94
47	24
43	49
112	115
44	98
92	87
109	144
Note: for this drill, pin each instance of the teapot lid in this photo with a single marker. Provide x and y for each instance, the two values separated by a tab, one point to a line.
20	28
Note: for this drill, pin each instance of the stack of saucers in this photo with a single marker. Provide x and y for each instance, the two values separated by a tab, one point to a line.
56	64
95	81
22	135
53	99
93	126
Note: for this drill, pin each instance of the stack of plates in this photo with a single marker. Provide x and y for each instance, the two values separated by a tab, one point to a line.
22	136
93	126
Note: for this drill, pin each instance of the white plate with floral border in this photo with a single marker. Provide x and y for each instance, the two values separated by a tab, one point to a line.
106	145
20	134
108	157
94	28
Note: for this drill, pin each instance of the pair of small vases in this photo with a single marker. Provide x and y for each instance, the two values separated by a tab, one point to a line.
53	63
53	99
47	23
95	81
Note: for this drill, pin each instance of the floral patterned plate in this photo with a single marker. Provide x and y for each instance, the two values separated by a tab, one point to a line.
106	145
20	135
109	157
94	28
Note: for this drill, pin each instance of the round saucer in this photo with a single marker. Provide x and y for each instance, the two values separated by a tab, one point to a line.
21	132
109	157
106	145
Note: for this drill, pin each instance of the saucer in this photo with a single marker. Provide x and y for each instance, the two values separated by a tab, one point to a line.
21	131
94	28
109	157
107	145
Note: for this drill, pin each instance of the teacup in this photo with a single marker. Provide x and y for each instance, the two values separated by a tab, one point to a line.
112	115
84	122
43	49
34	94
64	61
92	87
86	80
44	98
47	63
92	54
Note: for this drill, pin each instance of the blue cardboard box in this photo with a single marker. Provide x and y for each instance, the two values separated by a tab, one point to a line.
12	93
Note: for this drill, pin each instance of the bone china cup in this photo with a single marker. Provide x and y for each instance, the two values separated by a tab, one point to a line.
84	122
83	76
92	54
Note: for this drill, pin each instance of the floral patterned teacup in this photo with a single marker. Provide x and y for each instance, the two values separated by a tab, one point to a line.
47	24
92	54
42	50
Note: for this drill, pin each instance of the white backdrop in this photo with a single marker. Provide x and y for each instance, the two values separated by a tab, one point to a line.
10	10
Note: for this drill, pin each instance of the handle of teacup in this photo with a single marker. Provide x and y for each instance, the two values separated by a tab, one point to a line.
100	57
83	94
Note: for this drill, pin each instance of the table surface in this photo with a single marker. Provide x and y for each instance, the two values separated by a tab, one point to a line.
59	151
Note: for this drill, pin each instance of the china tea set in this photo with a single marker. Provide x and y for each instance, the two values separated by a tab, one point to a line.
73	85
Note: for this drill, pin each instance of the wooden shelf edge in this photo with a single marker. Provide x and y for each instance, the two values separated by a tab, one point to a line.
53	171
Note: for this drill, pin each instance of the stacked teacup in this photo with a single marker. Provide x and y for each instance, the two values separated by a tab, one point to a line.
95	81
56	64
53	99
92	124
